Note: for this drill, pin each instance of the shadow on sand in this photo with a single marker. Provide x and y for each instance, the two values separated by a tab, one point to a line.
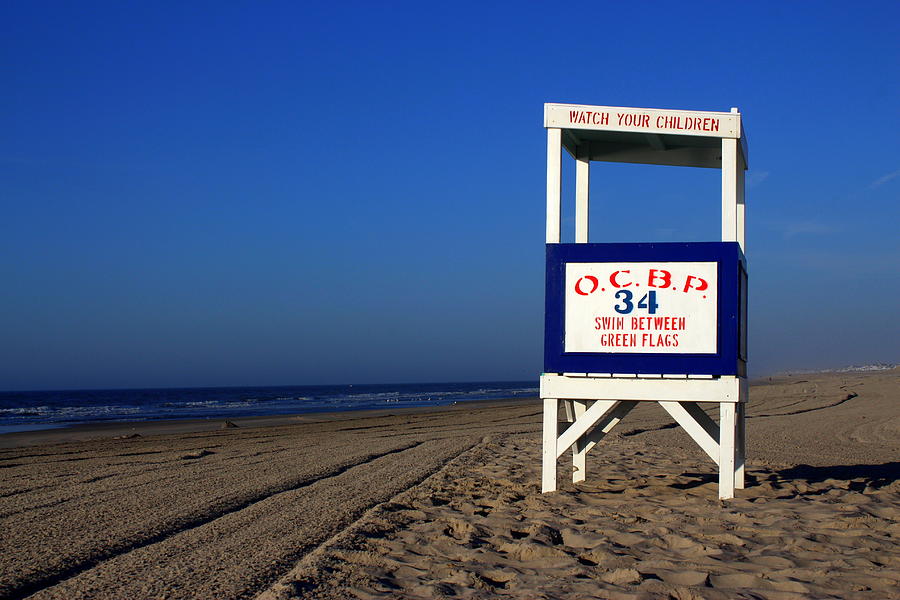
854	477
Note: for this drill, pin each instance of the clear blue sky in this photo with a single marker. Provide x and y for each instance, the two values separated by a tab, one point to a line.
232	193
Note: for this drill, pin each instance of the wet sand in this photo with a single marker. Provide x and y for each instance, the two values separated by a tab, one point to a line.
447	503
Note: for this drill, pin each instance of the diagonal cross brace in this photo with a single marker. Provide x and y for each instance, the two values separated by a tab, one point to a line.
607	422
698	424
583	424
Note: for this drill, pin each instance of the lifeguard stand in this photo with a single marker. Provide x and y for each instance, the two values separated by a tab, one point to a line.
661	322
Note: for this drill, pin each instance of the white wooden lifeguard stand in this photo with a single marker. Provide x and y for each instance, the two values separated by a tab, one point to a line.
598	386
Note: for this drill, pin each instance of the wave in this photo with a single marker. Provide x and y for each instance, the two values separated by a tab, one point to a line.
54	408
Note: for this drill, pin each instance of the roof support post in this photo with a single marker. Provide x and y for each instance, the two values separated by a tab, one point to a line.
582	193
729	189
741	206
554	184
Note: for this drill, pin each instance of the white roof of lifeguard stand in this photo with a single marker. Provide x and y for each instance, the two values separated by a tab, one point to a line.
653	136
685	138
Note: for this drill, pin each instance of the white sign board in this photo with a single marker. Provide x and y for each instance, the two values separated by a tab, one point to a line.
643	120
641	307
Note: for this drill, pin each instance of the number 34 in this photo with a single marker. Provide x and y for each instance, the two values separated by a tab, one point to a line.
627	304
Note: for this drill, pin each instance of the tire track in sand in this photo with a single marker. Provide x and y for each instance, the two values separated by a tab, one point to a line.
242	552
139	518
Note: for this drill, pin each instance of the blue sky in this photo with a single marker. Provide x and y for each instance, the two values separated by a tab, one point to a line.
232	193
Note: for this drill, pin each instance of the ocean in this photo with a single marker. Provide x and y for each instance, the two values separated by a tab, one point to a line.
24	411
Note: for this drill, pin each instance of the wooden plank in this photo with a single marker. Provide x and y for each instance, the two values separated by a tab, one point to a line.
721	389
567	408
687	418
729	190
726	450
551	427
741	209
702	419
579	450
582	192
606	424
582	425
741	441
643	120
554	183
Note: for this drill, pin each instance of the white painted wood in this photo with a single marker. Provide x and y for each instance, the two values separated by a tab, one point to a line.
740	208
596	402
726	450
643	120
606	424
722	389
582	192
741	441
702	419
570	413
549	455
582	425
554	184
729	190
685	415
579	450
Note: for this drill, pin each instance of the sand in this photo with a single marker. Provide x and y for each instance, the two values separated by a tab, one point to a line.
447	504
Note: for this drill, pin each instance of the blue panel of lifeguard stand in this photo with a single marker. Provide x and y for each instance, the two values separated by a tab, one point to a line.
726	356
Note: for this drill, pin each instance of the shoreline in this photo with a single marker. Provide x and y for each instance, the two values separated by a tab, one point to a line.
83	432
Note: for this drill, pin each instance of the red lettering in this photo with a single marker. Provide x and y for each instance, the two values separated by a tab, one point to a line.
609	323
688	284
614	277
618	339
666	278
715	124
593	281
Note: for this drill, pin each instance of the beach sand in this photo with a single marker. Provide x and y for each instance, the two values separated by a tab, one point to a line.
446	503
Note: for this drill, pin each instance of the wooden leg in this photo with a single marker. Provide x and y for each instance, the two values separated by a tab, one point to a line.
570	412
741	450
727	429
551	430
579	449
